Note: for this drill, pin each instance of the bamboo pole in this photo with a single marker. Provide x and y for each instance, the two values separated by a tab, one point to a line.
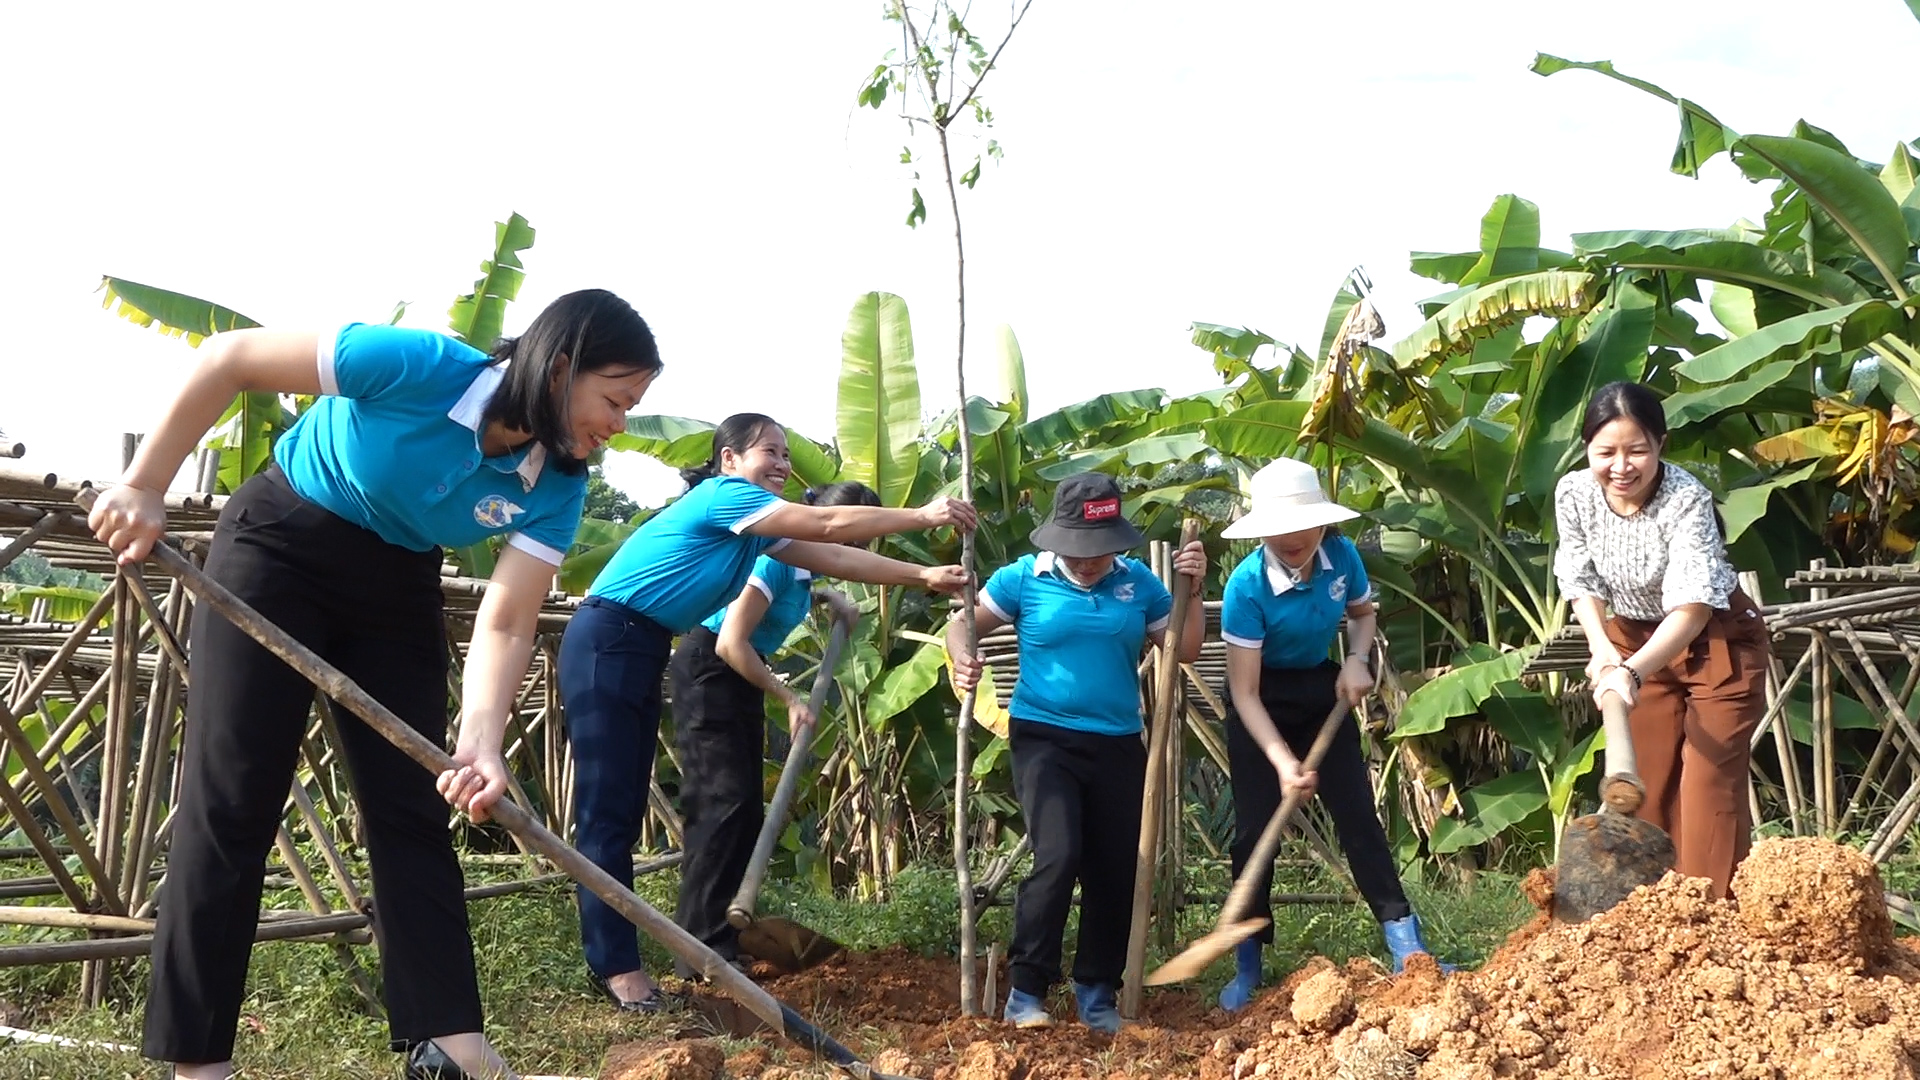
1152	813
53	520
98	951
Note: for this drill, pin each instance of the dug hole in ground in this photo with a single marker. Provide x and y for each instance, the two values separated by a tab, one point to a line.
1797	977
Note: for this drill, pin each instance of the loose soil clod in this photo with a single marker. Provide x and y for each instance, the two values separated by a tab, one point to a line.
1795	978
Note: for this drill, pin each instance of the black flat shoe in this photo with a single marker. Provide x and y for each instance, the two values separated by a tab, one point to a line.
649	1005
426	1061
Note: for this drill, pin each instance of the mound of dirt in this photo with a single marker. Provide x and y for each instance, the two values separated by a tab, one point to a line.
1815	901
1796	978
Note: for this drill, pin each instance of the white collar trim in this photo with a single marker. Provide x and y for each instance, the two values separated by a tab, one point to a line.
1048	563
470	412
1277	576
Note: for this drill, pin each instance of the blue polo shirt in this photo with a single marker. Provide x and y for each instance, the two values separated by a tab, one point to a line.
393	445
789	593
1079	646
691	559
1293	625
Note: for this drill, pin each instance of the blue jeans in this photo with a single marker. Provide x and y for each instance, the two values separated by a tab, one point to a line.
611	661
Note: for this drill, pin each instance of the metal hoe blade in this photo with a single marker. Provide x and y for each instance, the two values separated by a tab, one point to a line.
786	945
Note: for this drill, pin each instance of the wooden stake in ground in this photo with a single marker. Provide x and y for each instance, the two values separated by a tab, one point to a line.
1152	812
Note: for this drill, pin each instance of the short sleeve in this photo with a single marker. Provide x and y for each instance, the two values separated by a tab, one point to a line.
1359	586
736	505
1573	566
363	361
549	536
1693	550
1241	622
1156	601
770	576
1002	594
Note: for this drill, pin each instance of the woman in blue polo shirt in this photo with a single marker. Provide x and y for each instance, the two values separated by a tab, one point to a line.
720	685
1284	606
1084	616
685	563
417	442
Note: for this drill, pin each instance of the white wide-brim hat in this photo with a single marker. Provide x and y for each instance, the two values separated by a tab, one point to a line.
1286	497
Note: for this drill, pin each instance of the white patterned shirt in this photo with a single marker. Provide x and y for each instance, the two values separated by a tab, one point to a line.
1645	564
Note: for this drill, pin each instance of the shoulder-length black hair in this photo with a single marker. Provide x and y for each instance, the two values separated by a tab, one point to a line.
1629	399
595	330
737	433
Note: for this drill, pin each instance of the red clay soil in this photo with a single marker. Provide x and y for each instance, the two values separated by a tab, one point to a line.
1795	978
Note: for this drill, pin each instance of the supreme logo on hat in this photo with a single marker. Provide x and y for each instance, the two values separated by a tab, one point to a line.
1100	509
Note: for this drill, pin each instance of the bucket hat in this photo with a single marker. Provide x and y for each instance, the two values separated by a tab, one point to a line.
1285	496
1086	519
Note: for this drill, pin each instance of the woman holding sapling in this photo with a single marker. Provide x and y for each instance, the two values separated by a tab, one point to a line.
686	563
1084	614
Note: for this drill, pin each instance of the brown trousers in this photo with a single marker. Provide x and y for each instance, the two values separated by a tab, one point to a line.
1692	729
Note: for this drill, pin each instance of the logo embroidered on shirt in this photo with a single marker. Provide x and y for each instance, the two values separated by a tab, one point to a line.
1123	592
1337	588
495	512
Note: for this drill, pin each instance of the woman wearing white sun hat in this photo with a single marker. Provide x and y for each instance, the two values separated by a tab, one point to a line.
1283	608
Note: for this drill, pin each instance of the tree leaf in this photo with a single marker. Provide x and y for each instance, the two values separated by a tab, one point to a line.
1488	309
1490	809
1693	406
878	417
674	441
1087	419
1568	771
1701	134
1858	322
1901	174
1526	719
904	684
1450	267
813	464
173	314
1013	372
1459	692
1744	506
1509	241
477	317
1737	263
1853	197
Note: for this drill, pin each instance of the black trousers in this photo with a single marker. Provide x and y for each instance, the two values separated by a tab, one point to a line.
372	610
1081	796
719	725
1298	700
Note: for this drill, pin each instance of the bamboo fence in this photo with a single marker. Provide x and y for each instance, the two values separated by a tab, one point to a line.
91	717
92	711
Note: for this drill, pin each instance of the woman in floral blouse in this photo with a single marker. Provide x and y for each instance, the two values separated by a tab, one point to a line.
1685	648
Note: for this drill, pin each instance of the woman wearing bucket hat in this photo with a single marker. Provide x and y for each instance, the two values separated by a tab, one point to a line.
1283	608
1084	615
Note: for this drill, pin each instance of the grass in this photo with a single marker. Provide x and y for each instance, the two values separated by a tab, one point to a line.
302	1018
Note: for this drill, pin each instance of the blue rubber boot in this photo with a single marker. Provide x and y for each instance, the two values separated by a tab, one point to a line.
1026	1011
1097	1006
1404	940
1246	976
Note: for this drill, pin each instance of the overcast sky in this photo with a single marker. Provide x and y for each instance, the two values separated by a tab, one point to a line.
1165	163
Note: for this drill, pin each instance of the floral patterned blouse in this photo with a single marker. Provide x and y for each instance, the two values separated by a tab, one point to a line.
1645	564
